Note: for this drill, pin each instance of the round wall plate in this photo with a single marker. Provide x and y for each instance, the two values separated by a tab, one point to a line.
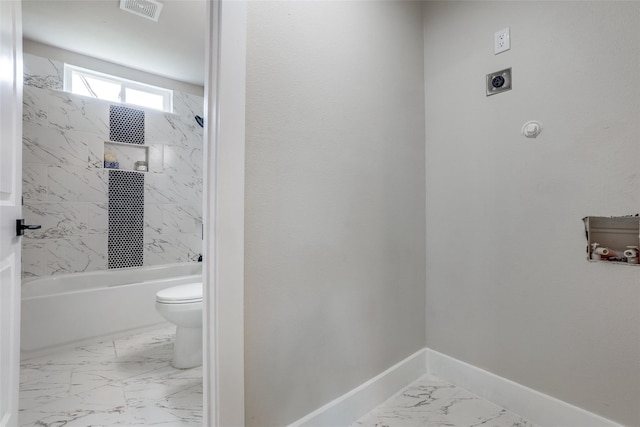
532	129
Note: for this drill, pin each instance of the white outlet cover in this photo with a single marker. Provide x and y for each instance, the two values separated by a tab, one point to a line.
502	41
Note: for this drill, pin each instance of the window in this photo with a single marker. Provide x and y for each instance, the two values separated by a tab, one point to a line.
111	88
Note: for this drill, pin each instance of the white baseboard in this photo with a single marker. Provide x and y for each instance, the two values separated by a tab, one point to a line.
347	408
536	407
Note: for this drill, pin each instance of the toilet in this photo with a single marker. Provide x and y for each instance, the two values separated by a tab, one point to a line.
182	306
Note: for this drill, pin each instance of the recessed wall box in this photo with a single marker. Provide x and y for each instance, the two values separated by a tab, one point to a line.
609	238
498	82
128	155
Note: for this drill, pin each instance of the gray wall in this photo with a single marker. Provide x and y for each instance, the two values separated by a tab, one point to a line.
508	285
334	200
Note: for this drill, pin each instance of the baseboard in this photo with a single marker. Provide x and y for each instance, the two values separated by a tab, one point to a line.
536	407
347	408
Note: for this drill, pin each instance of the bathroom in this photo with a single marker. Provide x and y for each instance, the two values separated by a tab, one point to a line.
117	191
389	209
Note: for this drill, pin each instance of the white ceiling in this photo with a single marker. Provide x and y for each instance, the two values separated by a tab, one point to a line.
173	47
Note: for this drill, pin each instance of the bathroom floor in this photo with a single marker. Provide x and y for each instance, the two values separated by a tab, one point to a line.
430	401
130	381
127	381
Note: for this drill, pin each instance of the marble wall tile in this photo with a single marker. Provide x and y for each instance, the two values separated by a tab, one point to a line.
156	158
43	73
185	161
53	146
172	230
68	184
65	111
153	221
196	139
35	182
34	257
95	147
188	188
57	219
188	105
165	128
160	188
194	241
96	152
76	254
168	248
97	218
195	210
160	250
181	219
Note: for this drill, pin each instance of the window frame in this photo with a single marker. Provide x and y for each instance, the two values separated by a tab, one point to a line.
166	94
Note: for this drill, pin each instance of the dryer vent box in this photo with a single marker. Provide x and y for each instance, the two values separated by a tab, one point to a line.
613	239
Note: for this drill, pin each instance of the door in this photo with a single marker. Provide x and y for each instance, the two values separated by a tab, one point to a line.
10	206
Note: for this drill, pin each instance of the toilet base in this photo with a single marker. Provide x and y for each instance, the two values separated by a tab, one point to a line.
187	348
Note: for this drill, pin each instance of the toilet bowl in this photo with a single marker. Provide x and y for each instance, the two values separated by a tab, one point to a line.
182	306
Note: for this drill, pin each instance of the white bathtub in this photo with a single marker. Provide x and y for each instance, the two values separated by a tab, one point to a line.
63	309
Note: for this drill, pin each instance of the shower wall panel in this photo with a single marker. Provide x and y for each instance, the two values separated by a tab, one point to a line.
66	188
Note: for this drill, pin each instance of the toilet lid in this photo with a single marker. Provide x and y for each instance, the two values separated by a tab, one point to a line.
191	292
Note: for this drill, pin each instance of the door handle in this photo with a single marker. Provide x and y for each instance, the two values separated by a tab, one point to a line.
21	226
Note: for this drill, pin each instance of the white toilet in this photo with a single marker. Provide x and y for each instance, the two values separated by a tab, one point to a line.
182	305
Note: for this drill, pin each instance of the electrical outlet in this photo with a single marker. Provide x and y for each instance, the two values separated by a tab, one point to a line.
502	41
499	81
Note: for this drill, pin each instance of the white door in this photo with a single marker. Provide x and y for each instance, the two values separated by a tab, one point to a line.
10	206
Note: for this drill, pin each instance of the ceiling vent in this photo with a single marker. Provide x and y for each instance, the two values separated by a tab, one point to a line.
149	9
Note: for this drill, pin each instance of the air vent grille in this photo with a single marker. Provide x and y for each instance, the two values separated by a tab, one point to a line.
149	9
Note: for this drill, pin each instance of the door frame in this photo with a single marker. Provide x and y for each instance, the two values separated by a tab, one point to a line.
10	209
223	213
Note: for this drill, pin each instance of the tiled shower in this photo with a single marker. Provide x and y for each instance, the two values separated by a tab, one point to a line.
67	190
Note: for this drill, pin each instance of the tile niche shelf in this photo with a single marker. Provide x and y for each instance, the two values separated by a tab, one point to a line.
127	154
613	240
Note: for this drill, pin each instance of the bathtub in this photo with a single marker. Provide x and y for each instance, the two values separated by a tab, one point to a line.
69	308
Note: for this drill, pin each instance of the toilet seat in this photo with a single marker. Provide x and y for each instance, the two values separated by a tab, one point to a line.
182	294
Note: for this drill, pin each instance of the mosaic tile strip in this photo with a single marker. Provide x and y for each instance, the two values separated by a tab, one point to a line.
126	124
126	219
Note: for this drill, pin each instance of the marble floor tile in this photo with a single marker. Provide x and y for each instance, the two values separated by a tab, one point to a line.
430	401
122	382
